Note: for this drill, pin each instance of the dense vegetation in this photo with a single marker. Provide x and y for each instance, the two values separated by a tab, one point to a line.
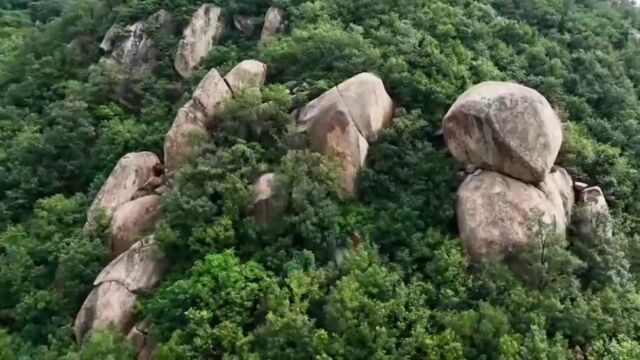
241	290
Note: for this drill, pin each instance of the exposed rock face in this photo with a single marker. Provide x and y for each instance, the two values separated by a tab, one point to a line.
192	121
558	186
131	48
333	122
370	106
265	189
196	117
332	132
130	173
247	74
273	21
206	26
116	289
497	213
109	303
504	127
592	216
211	91
139	269
131	221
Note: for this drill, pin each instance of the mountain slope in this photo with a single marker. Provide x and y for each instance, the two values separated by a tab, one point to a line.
405	287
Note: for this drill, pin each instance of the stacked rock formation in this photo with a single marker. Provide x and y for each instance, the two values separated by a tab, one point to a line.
129	202
513	136
341	121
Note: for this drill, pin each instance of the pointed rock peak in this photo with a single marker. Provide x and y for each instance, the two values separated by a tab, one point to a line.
204	30
247	74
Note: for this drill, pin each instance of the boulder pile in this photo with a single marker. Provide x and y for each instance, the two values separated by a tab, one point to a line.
129	203
512	136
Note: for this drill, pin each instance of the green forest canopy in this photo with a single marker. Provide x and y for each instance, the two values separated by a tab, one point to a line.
238	290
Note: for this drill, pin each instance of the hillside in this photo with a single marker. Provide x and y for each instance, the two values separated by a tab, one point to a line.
289	179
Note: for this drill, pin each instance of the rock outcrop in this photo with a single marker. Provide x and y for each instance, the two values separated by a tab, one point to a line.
130	173
205	28
592	216
131	221
340	121
496	213
192	121
197	116
116	289
273	21
504	127
520	197
131	48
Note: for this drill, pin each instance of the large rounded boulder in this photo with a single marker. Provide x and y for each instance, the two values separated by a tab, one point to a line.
505	127
497	213
131	221
340	121
116	289
130	173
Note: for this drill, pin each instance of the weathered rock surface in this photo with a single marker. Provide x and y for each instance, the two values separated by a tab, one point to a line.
211	91
131	221
130	173
558	186
504	127
247	74
273	21
333	122
131	48
592	216
332	132
370	106
139	269
193	120
205	28
117	287
110	303
496	213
